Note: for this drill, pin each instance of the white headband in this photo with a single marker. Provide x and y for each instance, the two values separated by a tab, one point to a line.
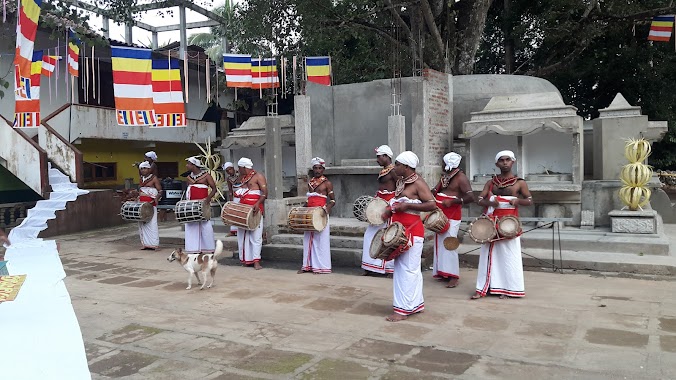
228	165
408	158
152	155
317	161
144	165
195	161
245	163
452	160
504	153
384	150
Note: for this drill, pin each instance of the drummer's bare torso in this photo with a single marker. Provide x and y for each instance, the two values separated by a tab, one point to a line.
324	188
387	182
517	189
417	190
458	186
256	182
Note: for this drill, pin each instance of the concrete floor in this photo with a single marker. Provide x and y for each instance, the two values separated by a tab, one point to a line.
139	322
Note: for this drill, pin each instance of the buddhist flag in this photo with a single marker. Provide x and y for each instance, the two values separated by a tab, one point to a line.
237	70
264	73
27	111
29	115
49	64
132	85
168	93
661	28
73	54
318	70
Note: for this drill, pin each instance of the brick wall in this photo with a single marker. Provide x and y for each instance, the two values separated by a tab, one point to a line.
437	116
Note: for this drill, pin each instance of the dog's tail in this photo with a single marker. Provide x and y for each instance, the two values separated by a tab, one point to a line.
219	248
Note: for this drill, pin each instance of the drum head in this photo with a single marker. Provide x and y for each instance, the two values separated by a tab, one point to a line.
375	210
254	219
482	230
206	210
451	243
319	219
377	244
509	226
436	221
146	212
394	234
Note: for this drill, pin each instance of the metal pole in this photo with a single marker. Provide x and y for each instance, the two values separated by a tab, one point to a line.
155	43
184	37
106	27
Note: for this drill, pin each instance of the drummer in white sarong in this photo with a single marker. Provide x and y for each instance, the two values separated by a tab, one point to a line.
317	245
452	191
412	196
500	268
199	236
387	181
252	191
149	191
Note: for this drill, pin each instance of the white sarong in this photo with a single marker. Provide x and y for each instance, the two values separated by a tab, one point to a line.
408	280
446	263
149	231
317	251
368	263
199	236
249	244
500	268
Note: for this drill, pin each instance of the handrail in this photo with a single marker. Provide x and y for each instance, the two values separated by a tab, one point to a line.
72	166
15	167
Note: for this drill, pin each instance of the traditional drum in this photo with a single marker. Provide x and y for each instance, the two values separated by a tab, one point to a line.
308	219
436	221
240	215
192	211
137	211
359	208
394	237
375	210
378	250
482	230
451	243
509	226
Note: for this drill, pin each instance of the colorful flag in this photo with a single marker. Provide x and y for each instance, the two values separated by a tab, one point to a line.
264	73
318	70
237	70
73	54
661	28
168	93
27	110
49	64
132	85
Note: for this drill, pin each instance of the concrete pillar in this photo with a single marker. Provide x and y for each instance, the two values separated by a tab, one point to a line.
273	158
106	27
184	37
396	133
128	37
303	129
155	42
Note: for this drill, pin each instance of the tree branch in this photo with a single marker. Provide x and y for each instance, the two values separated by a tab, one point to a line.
432	26
402	24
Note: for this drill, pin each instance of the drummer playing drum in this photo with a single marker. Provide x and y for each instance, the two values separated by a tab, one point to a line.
252	191
387	181
149	191
411	196
317	245
451	193
199	236
500	268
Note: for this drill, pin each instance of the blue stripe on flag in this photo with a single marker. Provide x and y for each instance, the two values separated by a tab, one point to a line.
37	55
317	61
664	18
125	52
237	59
265	62
164	64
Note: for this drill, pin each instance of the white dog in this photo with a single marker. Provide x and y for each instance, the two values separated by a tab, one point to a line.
198	262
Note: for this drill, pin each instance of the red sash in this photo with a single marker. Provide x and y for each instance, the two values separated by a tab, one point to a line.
146	199
197	193
500	212
412	223
385	196
316	201
454	212
250	199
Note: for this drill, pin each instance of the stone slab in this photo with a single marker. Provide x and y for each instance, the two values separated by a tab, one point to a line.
633	222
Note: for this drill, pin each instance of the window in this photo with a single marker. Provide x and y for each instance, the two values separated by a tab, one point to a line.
100	171
167	169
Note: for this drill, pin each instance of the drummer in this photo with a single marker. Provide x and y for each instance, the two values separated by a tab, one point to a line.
233	182
199	236
317	245
411	196
252	191
387	181
500	269
150	158
149	191
452	192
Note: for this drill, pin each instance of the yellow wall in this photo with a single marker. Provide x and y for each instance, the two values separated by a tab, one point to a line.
125	153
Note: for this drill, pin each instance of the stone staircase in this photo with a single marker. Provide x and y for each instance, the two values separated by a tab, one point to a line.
63	191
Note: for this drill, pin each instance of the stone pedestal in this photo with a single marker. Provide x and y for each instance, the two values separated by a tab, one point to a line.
273	158
633	222
303	123
587	220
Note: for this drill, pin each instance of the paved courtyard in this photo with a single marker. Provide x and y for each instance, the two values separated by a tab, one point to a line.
139	322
